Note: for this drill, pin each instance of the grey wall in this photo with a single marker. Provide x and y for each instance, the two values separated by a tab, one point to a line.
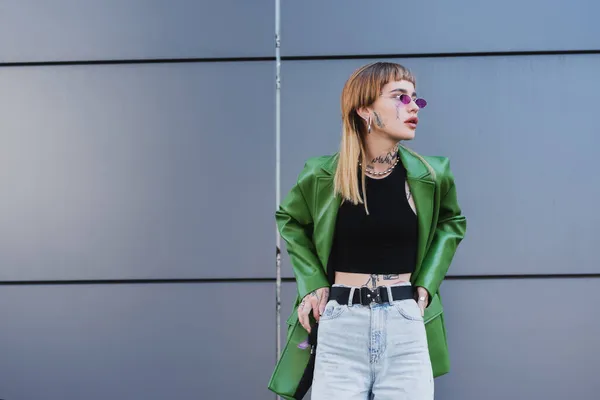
138	186
520	129
137	199
37	30
127	171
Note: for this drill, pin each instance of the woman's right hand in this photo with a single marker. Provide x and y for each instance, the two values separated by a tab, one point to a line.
315	302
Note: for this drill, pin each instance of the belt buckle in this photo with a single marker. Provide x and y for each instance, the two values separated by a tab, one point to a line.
372	296
377	298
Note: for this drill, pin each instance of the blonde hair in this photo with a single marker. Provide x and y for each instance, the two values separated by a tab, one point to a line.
361	90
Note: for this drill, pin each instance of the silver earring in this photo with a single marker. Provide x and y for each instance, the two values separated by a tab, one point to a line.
369	127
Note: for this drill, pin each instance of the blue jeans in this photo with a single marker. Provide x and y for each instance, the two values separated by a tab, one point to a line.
375	352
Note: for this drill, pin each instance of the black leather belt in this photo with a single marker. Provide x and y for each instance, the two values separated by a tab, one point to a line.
366	296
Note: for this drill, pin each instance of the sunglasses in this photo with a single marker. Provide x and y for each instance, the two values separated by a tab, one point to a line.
406	99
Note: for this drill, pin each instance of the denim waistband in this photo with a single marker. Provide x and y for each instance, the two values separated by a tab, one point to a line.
358	287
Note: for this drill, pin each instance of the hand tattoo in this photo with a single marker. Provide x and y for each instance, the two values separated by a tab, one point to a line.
314	294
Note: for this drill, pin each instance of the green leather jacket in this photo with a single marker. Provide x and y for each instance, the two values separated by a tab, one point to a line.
306	221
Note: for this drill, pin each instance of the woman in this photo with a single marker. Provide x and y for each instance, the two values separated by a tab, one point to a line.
368	263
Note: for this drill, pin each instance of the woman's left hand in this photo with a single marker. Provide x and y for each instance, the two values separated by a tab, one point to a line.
422	299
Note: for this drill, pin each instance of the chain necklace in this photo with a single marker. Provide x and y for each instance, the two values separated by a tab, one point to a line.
382	172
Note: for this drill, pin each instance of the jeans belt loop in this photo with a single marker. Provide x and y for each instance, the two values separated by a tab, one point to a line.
364	294
350	298
390	297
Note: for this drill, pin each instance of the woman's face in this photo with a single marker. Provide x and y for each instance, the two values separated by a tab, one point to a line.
390	116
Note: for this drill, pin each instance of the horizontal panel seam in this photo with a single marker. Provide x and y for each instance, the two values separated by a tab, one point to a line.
301	58
133	61
272	280
444	54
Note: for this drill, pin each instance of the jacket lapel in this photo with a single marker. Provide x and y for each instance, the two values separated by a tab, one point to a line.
326	205
326	208
422	188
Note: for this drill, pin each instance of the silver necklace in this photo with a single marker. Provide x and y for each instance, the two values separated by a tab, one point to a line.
382	172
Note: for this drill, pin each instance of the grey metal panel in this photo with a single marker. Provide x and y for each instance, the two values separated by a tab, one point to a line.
522	136
343	27
137	171
526	339
112	29
95	342
517	338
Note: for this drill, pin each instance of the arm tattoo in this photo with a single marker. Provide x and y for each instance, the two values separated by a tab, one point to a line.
378	120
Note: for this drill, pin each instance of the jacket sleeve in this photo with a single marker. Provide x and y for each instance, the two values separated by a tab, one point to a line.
450	230
295	224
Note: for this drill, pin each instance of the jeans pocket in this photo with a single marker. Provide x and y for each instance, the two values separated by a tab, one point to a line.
408	309
333	310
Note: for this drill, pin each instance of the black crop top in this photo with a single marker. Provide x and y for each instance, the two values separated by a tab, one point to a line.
384	242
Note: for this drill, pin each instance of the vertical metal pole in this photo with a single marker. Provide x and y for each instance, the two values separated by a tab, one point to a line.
277	177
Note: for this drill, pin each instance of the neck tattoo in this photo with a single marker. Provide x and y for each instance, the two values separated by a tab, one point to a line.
389	159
